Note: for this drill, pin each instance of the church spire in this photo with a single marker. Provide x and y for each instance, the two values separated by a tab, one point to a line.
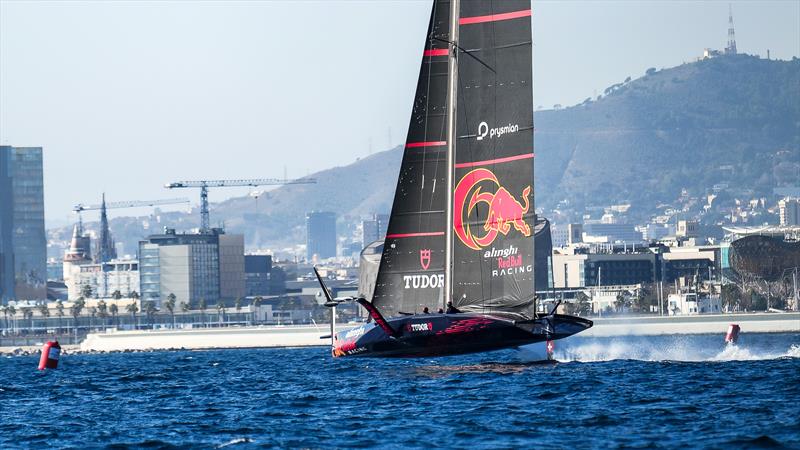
106	248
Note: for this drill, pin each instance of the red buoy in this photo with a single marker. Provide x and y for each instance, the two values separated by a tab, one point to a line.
733	334
50	354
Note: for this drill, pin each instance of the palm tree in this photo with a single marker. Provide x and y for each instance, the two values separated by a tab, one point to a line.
620	302
238	305
256	303
92	314
202	306
150	310
114	310
5	313
220	312
45	312
133	308
86	291
27	313
59	312
12	311
102	311
170	305
75	311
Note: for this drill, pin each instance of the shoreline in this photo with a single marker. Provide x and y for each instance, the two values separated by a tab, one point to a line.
309	335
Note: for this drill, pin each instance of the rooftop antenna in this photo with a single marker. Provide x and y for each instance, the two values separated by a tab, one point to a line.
731	48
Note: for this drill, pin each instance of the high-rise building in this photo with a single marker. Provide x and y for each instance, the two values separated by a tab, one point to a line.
205	266
789	211
321	235
257	270
23	243
374	229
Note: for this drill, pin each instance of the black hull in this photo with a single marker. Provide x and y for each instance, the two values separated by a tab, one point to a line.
429	335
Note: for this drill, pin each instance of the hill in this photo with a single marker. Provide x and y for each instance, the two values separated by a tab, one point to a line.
731	120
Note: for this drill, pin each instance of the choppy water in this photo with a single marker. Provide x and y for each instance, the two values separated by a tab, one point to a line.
672	391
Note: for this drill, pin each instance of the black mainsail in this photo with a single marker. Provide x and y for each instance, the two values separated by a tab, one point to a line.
492	193
493	263
411	274
463	227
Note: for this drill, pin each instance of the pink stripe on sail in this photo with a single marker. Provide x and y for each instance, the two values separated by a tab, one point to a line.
425	144
494	17
436	52
495	161
405	235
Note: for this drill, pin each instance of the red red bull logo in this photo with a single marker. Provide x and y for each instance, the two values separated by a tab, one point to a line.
505	212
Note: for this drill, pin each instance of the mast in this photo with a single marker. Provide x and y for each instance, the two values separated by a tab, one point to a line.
452	85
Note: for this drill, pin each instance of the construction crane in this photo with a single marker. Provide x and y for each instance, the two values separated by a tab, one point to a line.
205	184
129	204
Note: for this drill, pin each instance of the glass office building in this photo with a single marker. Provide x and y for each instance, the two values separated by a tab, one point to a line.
193	267
320	235
23	243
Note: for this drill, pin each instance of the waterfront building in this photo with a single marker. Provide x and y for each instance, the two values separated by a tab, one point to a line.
109	277
374	229
77	255
559	235
611	233
692	304
582	266
690	263
687	229
582	270
257	270
789	210
23	243
321	235
193	266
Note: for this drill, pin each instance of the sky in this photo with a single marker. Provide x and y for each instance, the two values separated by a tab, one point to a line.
127	96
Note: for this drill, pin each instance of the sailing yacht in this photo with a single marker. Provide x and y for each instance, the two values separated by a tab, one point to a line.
457	271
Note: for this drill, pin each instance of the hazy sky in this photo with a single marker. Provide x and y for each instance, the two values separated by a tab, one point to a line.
126	96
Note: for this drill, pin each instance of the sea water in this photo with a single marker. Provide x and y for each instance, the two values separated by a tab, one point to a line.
664	392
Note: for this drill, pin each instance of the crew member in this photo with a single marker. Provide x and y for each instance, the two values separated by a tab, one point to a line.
425	310
451	309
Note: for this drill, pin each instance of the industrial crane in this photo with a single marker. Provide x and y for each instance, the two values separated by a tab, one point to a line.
129	204
205	184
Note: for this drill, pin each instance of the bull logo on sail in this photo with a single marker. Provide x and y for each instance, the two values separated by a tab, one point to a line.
504	210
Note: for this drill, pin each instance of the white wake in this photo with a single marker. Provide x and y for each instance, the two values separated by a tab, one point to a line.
682	348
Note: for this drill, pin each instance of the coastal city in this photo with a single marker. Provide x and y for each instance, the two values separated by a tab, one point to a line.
524	224
604	266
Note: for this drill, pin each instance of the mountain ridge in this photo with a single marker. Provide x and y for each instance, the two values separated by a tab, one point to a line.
732	119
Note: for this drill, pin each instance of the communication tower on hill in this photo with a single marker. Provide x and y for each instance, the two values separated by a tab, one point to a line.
731	48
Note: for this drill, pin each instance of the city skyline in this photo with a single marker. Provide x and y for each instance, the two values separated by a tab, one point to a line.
120	114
